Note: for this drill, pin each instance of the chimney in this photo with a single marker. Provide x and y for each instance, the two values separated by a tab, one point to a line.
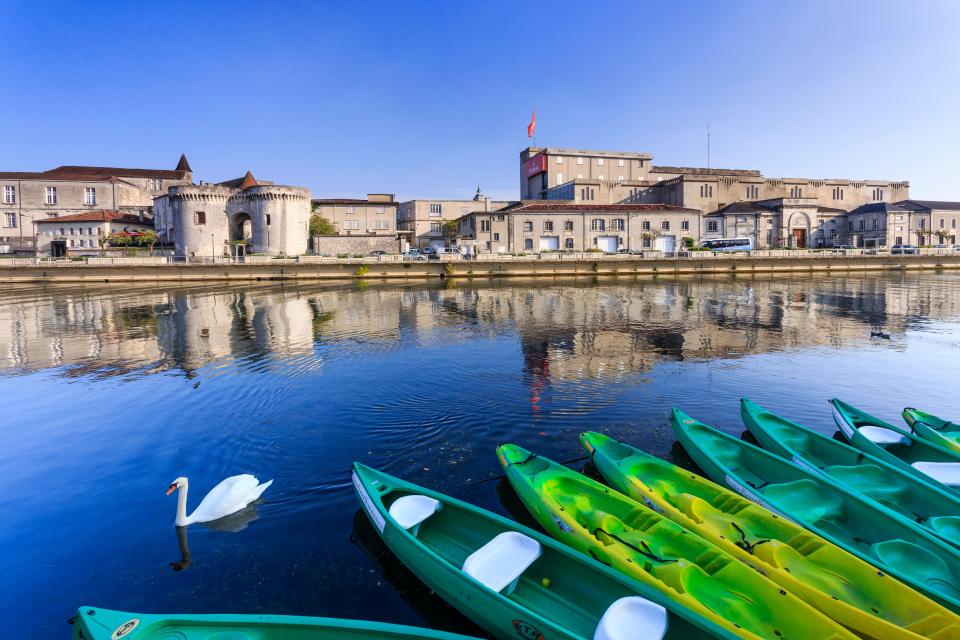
486	204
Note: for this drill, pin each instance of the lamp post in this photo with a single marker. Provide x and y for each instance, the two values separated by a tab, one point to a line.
213	249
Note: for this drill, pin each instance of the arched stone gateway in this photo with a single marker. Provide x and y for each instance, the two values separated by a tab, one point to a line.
799	230
241	229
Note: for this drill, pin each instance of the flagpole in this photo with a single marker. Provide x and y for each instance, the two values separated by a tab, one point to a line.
534	125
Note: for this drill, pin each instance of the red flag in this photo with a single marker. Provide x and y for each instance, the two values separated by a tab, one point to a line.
532	127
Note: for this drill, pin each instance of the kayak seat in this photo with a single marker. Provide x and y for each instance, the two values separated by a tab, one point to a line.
499	564
947	473
879	435
868	478
913	560
946	526
804	500
410	511
630	618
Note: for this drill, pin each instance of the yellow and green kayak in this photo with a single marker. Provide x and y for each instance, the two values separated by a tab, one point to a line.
869	602
93	623
936	430
875	534
642	544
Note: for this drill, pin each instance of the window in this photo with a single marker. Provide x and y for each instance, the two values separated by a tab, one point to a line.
496	237
921	223
579	160
89	195
941	223
501	218
528	243
268	219
665	225
436	227
9	195
436	209
878	194
548	225
62	230
73	231
199	217
706	191
351	209
568	243
587	193
568	225
51	195
876	224
559	159
598	225
12	220
616	224
646	242
488	245
351	224
862	224
712	225
620	162
154	184
484	225
645	225
796	192
837	193
528	226
381	224
684	225
953	223
753	192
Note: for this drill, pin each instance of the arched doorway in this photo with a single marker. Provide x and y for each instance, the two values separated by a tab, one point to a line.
799	230
241	231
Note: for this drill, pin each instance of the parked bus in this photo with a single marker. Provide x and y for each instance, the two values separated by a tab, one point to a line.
728	244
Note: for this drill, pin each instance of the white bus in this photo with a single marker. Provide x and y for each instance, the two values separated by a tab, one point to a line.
728	244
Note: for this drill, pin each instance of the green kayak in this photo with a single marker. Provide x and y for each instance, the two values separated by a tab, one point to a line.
928	507
924	459
645	545
103	624
843	517
936	430
514	582
841	585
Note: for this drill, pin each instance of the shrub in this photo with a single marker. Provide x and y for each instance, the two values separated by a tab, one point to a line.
362	270
320	226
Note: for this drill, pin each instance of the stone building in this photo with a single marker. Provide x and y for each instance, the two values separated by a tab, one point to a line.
542	226
375	216
83	233
796	211
925	221
210	219
420	222
27	197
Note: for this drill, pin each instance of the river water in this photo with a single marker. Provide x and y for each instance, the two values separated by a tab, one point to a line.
108	394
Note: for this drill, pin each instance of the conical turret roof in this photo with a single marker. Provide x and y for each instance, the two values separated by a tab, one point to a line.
248	181
183	165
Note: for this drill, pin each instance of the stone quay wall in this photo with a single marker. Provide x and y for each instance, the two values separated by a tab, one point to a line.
319	268
338	245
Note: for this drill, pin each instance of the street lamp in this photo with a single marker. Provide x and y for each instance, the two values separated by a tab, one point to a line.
213	250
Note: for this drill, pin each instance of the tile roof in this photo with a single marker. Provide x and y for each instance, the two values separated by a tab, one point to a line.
915	205
103	215
248	181
183	165
352	201
79	172
879	207
741	206
526	207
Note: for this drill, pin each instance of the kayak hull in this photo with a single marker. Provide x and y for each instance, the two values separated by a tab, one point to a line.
933	429
561	595
649	547
874	534
834	581
92	623
933	509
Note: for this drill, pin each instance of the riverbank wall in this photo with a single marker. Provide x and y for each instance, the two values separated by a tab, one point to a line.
148	270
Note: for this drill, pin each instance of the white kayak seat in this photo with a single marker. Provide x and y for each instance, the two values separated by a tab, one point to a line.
632	618
410	511
947	473
500	563
879	435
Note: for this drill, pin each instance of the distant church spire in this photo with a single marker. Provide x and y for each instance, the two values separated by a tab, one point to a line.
183	165
248	181
479	195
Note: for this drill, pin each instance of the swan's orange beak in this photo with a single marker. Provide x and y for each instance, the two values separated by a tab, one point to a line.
171	489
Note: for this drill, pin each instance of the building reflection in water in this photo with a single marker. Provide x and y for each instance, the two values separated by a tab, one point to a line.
573	330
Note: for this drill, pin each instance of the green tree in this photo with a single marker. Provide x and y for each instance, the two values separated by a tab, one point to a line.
320	226
449	228
148	239
119	239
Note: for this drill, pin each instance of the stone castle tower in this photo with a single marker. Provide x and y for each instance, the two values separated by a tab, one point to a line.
271	219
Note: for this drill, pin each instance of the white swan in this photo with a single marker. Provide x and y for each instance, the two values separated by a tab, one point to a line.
228	497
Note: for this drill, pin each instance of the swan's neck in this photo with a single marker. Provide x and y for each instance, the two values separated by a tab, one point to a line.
182	519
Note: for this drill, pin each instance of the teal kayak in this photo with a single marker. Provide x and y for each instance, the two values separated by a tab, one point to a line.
915	455
929	507
933	429
875	534
514	582
92	623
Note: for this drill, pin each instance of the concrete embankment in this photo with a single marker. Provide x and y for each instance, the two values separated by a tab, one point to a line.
372	269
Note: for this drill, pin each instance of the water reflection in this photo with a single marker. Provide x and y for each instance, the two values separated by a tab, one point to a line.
567	330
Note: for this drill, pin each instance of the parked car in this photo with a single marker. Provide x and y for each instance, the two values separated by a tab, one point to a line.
904	249
414	254
947	247
844	246
443	251
377	253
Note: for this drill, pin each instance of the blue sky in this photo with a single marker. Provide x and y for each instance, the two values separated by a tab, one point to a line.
431	99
